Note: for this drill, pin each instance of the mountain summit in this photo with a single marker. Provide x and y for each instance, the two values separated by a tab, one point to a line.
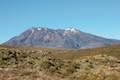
59	38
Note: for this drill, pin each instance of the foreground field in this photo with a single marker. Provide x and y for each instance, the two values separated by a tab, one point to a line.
27	63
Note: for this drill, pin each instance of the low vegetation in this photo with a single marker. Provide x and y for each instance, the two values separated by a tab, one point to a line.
27	63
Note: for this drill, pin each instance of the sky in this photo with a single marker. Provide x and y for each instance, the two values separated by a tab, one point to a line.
99	17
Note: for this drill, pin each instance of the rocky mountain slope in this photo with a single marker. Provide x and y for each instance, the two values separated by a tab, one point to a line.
59	38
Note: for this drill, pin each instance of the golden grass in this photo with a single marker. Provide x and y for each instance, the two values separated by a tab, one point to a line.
28	63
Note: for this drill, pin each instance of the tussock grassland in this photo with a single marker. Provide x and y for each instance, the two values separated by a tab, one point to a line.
27	63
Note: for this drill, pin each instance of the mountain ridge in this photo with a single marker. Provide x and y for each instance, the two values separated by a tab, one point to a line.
59	38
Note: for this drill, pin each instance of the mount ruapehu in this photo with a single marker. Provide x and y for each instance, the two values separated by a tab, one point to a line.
59	38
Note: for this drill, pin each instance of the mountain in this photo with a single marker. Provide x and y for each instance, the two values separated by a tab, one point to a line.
59	38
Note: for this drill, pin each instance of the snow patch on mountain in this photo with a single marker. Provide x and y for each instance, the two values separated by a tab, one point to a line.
71	29
32	31
39	29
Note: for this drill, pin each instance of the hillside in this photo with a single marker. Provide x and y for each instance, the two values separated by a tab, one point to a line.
28	63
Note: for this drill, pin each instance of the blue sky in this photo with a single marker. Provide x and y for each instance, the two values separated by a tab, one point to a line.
99	17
